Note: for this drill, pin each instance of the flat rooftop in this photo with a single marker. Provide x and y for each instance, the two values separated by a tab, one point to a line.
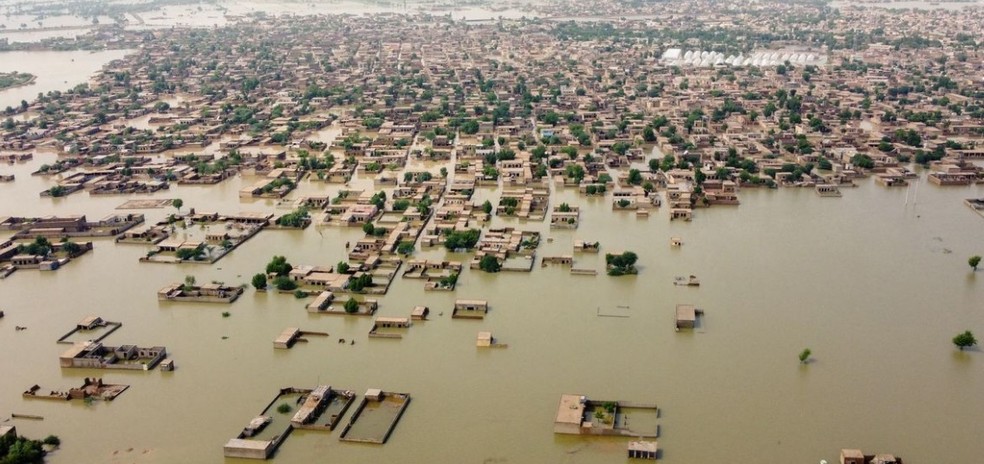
241	443
571	410
685	312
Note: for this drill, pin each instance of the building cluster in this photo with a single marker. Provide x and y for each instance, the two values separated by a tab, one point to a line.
320	409
811	96
671	110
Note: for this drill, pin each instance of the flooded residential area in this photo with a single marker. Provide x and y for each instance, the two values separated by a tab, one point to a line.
532	231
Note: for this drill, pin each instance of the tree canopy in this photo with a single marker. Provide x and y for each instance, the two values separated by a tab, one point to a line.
489	263
462	239
621	264
964	340
279	266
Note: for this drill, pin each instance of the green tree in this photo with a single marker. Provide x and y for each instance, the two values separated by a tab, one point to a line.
20	450
58	191
177	203
284	283
297	218
610	406
260	281
186	254
284	408
974	261
648	134
401	205
487	207
635	177
342	267
351	306
620	147
405	248
72	248
279	266
462	239
575	172
489	263
863	161
964	340
621	264
359	283
449	281
804	355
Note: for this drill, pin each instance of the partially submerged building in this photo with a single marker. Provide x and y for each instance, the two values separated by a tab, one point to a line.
389	327
318	409
386	408
419	313
291	335
58	227
94	355
245	447
643	450
287	338
92	327
470	309
91	389
686	316
577	415
206	293
855	456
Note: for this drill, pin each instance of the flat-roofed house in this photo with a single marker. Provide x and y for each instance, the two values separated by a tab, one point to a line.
851	456
686	316
287	338
313	405
570	414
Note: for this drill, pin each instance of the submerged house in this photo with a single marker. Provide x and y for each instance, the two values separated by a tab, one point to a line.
314	404
570	414
95	355
577	415
855	456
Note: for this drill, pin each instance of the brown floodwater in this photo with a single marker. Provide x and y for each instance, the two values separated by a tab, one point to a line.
875	287
54	70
